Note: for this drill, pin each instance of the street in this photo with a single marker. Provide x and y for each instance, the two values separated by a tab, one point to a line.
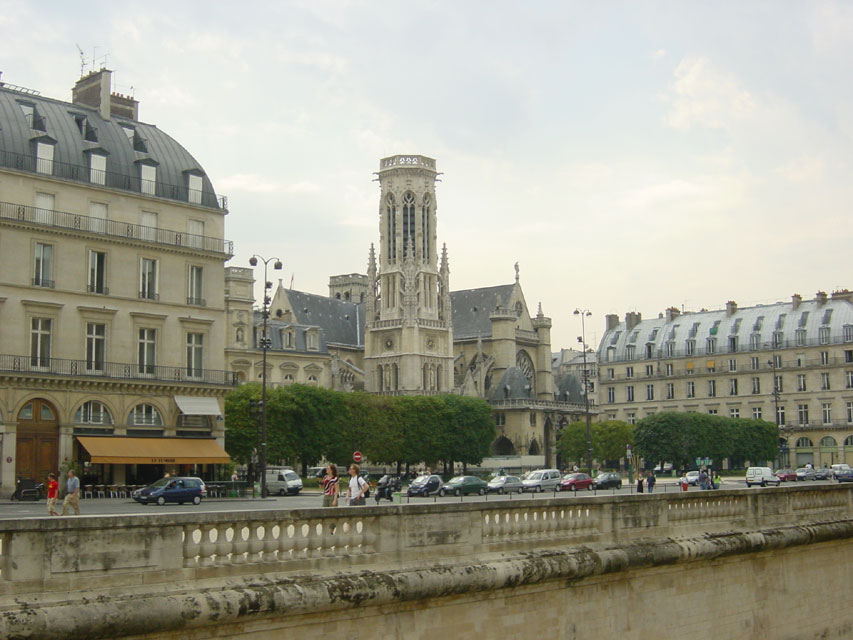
313	498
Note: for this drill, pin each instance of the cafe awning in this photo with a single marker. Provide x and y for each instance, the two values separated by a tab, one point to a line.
195	406
120	450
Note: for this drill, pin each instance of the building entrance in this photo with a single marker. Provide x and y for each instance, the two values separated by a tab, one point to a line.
37	442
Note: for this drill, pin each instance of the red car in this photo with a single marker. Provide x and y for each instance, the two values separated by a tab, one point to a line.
575	481
787	474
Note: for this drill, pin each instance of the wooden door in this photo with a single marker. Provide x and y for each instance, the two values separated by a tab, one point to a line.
37	448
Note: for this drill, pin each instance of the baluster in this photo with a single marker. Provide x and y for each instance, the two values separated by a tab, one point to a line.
368	540
286	540
301	540
223	544
207	546
192	547
256	543
240	542
271	542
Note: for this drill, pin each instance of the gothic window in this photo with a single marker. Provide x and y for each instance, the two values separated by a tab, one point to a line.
425	227
391	215
408	221
523	362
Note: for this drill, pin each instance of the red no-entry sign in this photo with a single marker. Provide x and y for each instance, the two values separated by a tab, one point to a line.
357	457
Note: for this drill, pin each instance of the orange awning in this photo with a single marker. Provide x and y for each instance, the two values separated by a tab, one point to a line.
120	450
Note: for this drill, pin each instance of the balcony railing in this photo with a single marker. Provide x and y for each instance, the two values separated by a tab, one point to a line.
111	179
113	228
115	370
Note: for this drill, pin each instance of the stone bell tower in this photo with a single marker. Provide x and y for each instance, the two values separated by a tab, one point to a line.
408	338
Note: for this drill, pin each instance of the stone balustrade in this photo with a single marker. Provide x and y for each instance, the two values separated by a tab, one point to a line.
49	555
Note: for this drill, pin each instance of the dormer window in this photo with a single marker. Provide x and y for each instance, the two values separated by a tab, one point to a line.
194	188
148	179
44	158
88	132
311	340
34	120
97	168
135	139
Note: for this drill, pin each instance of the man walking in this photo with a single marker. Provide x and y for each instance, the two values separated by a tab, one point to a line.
72	494
52	491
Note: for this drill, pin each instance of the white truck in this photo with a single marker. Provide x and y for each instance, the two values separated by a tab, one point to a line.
283	481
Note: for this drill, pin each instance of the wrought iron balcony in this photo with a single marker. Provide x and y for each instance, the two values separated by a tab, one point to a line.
112	228
38	365
111	179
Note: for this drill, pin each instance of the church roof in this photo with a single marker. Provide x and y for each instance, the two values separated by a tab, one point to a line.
342	322
513	385
471	309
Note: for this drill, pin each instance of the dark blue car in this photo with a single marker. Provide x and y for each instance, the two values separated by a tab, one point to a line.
180	490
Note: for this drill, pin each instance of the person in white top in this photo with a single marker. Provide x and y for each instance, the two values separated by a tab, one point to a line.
357	486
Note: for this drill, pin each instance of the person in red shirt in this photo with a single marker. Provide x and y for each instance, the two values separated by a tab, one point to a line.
52	491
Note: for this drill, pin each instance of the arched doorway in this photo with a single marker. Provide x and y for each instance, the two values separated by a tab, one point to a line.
37	440
503	447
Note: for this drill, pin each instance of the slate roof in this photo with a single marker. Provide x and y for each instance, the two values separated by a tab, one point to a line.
471	309
513	385
341	322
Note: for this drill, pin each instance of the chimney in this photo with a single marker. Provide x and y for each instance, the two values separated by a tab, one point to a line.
93	90
611	321
796	299
820	296
731	308
842	294
632	319
672	313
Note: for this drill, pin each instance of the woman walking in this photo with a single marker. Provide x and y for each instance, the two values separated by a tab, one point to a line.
640	483
357	486
330	486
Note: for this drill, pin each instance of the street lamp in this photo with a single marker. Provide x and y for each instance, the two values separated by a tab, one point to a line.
776	393
585	313
265	345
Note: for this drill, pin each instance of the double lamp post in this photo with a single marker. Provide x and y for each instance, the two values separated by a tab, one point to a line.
585	313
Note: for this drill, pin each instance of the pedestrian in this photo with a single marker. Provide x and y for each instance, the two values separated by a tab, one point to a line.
357	486
650	481
72	494
52	492
717	480
330	486
702	479
639	483
683	481
234	476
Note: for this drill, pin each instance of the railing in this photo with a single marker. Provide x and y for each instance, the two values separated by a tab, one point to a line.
114	228
123	371
526	335
111	179
522	403
386	324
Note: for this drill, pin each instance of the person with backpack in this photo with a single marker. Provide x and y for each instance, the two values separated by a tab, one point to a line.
358	486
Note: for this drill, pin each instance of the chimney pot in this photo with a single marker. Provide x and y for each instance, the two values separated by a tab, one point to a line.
796	299
731	308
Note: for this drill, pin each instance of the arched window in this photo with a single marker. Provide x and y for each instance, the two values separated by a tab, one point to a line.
425	216
828	441
533	450
391	215
93	412
312	379
145	415
288	378
503	447
804	442
408	221
848	441
525	363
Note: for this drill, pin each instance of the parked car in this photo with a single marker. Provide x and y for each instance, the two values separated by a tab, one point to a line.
607	480
178	489
667	467
844	475
761	476
575	482
840	466
505	484
693	477
824	473
464	485
786	475
425	486
283	481
804	473
542	480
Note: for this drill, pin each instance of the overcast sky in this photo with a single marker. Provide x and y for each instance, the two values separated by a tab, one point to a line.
631	156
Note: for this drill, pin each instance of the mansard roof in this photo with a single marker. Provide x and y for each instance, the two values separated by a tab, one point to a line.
471	309
342	322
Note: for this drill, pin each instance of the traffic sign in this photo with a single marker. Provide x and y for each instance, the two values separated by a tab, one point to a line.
357	457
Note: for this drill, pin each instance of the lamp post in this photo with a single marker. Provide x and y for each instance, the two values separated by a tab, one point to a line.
776	393
265	345
585	313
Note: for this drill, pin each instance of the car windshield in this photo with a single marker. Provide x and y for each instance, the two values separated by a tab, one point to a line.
457	480
420	480
290	475
162	482
498	480
534	476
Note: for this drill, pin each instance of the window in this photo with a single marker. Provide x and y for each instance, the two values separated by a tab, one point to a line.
824	357
148	222
848	333
630	351
801	337
147	351
611	394
668	369
148	279
195	234
97	217
34	120
194	286
195	343
650	370
850	413
93	412
425	232
754	363
803	443
756	384
691	390
733	386
803	413
732	364
823	335
43	266
711	345
311	340
145	415
734	413
629	372
650	392
754	341
826	412
824	381
712	412
670	349
44	158
801	382
801	359
777	384
611	374
194	187
691	347
86	129
408	222
288	339
96	346
40	329
650	349
848	355
632	418
732	344
532	418
391	214
848	378
780	415
629	393
97	272
712	388
710	368
45	205
670	391
778	339
756	413
148	179
97	168
777	361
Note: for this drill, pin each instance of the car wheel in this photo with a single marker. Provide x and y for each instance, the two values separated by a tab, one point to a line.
540	489
197	500
501	491
520	490
161	501
482	491
281	492
442	492
619	486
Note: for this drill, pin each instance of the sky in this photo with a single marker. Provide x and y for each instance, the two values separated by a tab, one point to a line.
631	156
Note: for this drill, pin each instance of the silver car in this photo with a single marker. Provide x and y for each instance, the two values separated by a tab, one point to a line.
505	484
542	480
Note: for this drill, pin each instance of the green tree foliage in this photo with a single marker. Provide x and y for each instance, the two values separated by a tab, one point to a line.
609	440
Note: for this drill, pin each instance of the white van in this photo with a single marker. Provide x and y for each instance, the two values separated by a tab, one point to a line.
761	476
283	481
542	480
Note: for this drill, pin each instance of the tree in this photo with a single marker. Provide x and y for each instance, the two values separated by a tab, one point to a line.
665	437
611	438
572	442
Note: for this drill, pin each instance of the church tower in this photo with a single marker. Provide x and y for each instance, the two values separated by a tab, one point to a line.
408	338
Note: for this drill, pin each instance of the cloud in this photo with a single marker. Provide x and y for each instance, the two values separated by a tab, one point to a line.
705	96
254	183
660	54
803	169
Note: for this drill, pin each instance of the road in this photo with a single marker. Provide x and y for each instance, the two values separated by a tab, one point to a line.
312	498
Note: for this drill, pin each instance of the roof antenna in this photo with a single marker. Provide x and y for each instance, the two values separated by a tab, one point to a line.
82	60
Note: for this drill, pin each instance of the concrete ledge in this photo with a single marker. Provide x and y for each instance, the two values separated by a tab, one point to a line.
109	614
